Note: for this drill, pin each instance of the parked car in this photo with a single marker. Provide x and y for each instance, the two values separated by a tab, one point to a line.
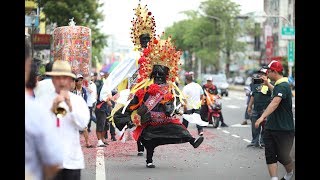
239	80
248	81
220	80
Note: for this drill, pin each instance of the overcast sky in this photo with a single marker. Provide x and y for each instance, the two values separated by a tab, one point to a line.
119	13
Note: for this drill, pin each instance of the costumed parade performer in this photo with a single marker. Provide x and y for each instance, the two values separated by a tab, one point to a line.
152	110
125	74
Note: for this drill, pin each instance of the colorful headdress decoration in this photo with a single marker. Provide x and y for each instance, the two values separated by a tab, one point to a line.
144	23
159	52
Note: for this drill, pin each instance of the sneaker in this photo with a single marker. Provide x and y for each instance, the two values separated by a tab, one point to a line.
113	138
201	134
224	125
101	144
244	122
150	165
140	153
197	142
251	145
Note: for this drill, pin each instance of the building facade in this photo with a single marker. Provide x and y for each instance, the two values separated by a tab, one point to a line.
282	9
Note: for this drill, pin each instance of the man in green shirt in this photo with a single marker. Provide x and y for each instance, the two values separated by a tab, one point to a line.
260	97
279	127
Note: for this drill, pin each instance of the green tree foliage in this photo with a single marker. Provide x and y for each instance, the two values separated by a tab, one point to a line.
85	13
207	33
227	11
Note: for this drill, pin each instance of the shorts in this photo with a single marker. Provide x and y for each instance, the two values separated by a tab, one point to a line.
278	145
101	120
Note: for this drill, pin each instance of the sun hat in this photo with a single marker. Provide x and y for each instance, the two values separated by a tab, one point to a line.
61	68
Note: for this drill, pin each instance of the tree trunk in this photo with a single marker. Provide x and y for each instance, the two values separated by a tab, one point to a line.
228	63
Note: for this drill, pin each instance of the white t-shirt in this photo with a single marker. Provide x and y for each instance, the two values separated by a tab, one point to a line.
92	97
44	87
193	92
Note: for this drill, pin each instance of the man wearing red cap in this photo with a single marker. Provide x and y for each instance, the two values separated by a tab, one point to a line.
279	127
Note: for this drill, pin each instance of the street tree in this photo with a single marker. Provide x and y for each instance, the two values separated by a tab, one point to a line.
194	35
85	13
225	14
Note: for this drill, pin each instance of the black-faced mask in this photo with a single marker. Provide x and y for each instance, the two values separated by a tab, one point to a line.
159	73
144	39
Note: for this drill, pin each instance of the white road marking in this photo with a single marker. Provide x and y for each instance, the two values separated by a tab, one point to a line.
247	140
241	98
239	125
100	169
233	106
225	131
226	98
235	135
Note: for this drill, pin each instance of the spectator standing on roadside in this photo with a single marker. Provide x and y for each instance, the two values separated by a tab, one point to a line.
279	127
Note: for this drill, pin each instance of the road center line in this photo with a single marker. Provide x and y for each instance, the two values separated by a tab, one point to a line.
235	135
225	131
100	169
247	140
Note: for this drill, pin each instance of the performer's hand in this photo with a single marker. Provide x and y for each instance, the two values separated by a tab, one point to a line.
56	101
66	96
130	124
145	117
142	110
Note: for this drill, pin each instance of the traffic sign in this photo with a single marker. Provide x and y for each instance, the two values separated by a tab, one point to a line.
290	53
287	32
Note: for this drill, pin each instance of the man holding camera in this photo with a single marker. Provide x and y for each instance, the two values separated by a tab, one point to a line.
279	127
260	97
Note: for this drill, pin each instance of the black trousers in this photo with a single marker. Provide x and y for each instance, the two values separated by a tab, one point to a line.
109	126
68	174
150	145
91	117
140	146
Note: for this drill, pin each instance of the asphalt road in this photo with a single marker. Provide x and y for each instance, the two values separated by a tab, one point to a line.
223	155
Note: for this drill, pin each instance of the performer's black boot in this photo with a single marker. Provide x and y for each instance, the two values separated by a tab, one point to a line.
149	158
140	148
196	142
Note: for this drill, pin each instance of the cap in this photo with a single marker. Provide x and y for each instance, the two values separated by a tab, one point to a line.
79	76
209	78
189	73
275	65
263	70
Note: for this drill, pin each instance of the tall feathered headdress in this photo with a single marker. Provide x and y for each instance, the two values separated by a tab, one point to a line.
144	23
160	52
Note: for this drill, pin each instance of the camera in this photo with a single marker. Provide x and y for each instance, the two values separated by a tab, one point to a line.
257	81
